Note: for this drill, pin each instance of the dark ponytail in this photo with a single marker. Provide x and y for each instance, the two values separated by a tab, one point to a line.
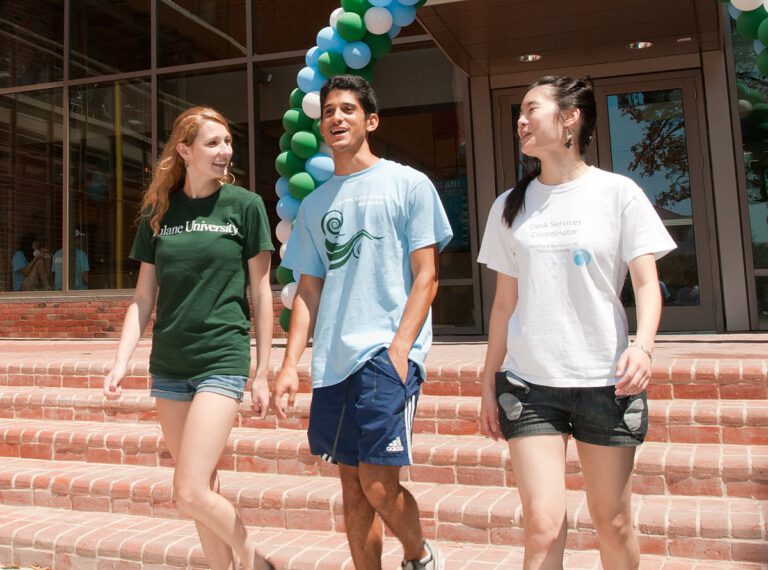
568	93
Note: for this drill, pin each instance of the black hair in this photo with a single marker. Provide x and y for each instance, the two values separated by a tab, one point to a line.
359	86
568	93
25	245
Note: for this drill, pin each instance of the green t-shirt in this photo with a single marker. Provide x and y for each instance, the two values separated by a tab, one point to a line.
200	256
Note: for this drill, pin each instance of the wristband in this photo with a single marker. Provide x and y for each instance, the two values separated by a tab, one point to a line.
641	347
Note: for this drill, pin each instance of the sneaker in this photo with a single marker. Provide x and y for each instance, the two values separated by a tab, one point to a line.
435	561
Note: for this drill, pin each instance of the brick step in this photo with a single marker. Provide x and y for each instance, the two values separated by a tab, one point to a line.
660	468
450	372
680	421
710	528
91	541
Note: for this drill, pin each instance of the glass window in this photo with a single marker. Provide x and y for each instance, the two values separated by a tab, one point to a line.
110	165
225	91
31	42
30	188
193	31
109	37
752	89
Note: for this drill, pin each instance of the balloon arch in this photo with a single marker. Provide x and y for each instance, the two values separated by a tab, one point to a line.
359	33
752	23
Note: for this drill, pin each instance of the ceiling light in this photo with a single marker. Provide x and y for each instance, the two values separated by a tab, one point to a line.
640	45
683	40
529	57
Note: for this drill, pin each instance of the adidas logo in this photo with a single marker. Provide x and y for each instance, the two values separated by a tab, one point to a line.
395	445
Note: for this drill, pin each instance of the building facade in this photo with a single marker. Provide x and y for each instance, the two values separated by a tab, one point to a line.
89	91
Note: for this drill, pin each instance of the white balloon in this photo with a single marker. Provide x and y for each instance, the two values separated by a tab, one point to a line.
283	231
311	104
733	11
758	45
282	250
746	5
378	20
335	15
288	294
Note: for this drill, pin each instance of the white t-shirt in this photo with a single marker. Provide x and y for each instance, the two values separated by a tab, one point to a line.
569	248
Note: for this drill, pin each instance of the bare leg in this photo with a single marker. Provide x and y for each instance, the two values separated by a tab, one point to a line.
395	505
539	466
38	277
607	476
364	531
172	416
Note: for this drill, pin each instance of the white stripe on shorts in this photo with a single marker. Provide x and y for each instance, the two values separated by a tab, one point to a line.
410	413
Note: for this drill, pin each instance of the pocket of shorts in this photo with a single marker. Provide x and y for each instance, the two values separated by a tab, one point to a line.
511	393
634	411
384	362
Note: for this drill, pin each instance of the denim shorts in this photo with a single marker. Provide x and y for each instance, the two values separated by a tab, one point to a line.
591	415
367	417
228	385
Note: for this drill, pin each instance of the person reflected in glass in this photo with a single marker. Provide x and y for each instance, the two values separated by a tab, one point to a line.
201	241
31	265
82	267
559	362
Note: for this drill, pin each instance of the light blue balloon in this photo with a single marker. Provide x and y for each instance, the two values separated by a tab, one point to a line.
402	16
380	3
281	186
357	55
310	79
407	2
287	208
313	54
393	31
329	39
296	275
734	11
319	166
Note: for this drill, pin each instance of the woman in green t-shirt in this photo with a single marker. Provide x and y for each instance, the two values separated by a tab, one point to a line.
201	241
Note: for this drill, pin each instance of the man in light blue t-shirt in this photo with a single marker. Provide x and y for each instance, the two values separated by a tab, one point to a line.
366	244
82	267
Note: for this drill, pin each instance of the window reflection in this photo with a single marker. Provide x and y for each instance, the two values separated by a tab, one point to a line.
194	31
31	42
648	144
110	165
30	187
109	37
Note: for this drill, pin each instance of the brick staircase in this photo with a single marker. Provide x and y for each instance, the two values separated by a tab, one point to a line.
86	483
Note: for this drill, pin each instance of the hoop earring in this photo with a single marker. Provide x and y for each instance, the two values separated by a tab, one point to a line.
568	138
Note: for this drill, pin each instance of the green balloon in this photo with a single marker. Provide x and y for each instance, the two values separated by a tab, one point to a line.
762	62
285	142
748	23
351	27
297	96
331	63
762	32
366	72
304	144
288	164
380	44
285	319
316	130
357	6
420	3
294	120
284	275
300	185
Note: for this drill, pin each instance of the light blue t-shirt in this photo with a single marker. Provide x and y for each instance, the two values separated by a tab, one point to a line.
357	232
18	262
81	266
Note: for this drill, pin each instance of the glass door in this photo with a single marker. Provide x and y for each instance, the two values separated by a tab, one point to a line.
648	130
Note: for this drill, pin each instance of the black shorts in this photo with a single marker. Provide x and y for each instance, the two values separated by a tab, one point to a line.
592	415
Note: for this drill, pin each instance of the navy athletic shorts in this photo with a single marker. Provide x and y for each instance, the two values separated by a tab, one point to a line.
367	417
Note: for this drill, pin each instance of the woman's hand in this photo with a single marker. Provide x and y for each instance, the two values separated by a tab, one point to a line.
633	371
112	389
260	396
489	415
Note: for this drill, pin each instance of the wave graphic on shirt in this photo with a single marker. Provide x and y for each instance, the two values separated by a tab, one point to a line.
339	253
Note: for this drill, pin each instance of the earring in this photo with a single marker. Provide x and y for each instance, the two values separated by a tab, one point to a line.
568	138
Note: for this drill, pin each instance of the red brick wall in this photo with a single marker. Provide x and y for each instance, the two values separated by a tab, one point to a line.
78	317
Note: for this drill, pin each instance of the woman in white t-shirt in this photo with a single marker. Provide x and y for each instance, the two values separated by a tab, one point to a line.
561	243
